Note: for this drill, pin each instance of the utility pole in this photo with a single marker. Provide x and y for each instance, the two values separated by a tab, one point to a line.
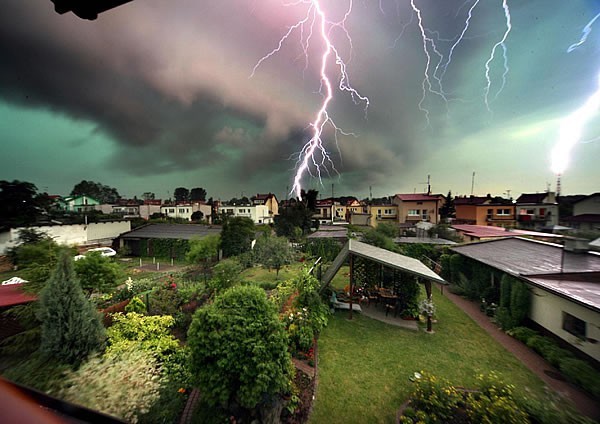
472	183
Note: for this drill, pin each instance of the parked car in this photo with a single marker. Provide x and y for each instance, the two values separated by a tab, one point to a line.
104	251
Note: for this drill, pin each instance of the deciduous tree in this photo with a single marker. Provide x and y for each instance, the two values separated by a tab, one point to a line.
239	349
273	252
198	194
98	191
181	194
237	235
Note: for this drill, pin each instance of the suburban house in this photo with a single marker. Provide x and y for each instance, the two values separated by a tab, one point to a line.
269	200
78	203
259	214
563	282
537	210
413	208
586	214
186	210
382	213
487	210
324	211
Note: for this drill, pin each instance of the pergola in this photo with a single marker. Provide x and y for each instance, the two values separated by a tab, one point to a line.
355	249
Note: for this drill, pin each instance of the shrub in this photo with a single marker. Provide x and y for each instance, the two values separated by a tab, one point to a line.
97	272
123	385
326	249
226	274
165	300
581	373
133	331
136	305
541	344
522	333
504	319
239	350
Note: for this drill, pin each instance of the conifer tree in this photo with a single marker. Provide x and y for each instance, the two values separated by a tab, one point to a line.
71	327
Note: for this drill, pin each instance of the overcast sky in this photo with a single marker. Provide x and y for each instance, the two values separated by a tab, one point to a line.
156	94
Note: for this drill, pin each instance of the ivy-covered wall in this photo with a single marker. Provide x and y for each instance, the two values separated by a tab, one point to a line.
164	248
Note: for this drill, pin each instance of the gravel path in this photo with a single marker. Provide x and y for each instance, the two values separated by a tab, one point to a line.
583	402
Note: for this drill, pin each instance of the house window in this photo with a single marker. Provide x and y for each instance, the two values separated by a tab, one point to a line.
530	211
230	211
542	211
171	210
419	203
490	212
388	212
413	212
575	326
502	212
181	210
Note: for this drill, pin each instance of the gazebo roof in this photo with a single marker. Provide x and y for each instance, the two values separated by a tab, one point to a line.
382	256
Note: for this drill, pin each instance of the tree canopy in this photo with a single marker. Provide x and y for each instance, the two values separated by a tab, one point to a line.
197	194
181	194
273	252
239	349
448	210
21	203
98	191
237	235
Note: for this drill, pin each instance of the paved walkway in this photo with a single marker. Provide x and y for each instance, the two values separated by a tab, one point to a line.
583	403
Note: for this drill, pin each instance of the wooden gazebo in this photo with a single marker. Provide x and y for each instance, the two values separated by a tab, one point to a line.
353	249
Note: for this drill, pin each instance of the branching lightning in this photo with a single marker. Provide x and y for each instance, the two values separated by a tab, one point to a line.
314	154
586	31
502	44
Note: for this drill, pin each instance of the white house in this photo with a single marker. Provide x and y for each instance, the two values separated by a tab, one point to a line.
259	214
185	210
563	283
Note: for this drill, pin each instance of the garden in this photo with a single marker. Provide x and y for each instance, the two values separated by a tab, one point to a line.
243	331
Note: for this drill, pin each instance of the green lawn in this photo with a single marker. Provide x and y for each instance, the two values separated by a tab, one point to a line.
259	274
364	364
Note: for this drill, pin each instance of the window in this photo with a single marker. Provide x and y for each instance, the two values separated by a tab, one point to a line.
171	210
413	212
542	211
502	212
530	211
419	203
490	212
574	325
388	212
181	210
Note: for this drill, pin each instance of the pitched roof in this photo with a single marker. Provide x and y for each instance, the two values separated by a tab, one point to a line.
417	197
481	200
587	197
532	198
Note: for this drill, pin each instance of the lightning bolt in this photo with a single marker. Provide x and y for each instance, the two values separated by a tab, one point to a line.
571	127
316	24
586	31
502	44
570	131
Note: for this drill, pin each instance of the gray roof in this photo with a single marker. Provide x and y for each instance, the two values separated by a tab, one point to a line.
573	287
172	231
424	240
519	256
382	256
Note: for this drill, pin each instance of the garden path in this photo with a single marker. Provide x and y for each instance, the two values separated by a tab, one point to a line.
583	402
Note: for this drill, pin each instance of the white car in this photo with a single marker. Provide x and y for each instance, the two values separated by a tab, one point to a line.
104	251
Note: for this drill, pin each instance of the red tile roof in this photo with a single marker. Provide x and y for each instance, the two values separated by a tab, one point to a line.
483	231
13	294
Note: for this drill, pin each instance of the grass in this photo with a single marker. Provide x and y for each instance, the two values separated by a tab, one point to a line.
365	365
260	274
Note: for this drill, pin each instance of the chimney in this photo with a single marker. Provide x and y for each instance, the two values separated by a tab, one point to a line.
576	245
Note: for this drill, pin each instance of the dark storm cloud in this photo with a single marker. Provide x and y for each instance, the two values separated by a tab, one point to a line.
168	82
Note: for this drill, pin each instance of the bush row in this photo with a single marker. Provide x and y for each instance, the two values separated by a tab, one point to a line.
575	370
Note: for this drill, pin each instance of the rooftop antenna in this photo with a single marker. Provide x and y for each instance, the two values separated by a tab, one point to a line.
472	182
507	192
370	192
557	185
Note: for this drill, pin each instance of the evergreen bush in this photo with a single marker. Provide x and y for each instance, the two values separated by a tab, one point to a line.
71	327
